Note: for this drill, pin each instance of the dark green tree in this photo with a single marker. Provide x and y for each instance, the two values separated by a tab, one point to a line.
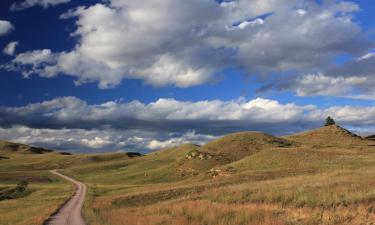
329	121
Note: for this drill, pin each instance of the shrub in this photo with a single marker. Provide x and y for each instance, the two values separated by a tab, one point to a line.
22	186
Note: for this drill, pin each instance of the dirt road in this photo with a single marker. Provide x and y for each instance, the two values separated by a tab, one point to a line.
70	213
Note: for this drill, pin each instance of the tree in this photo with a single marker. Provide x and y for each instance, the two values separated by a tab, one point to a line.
329	121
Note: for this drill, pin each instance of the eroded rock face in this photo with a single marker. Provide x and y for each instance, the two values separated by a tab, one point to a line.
195	154
217	172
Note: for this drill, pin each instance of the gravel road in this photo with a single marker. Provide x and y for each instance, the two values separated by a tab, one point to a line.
70	213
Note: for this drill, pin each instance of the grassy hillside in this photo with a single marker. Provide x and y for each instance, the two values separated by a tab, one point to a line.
328	136
43	195
324	176
45	192
21	149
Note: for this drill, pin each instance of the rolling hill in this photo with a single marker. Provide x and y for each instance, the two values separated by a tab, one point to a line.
328	135
322	176
239	145
21	148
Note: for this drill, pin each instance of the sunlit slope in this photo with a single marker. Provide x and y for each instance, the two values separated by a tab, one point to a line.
328	136
233	154
181	162
161	166
239	145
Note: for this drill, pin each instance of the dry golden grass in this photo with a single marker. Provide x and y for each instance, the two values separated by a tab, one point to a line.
321	177
341	197
196	212
297	184
204	212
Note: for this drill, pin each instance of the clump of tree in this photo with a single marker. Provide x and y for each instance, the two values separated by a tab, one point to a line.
18	192
22	186
329	121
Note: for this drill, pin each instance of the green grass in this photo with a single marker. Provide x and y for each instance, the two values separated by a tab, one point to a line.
45	192
34	208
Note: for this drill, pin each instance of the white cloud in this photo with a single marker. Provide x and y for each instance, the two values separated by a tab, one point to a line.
319	84
188	137
352	79
245	24
167	114
37	60
367	56
31	3
72	124
98	140
73	109
301	12
10	49
34	57
5	27
188	43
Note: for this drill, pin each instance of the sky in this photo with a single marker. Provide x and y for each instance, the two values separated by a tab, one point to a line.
122	75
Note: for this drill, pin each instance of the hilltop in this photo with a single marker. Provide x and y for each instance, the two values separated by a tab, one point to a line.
328	135
9	147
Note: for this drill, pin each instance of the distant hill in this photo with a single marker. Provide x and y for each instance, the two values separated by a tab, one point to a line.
371	137
329	135
23	149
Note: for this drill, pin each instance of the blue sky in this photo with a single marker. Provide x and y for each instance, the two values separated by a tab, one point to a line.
304	60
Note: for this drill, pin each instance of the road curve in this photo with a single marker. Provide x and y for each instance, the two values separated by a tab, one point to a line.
70	213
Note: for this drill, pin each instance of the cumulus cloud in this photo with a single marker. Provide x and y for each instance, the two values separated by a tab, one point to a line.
72	124
188	43
188	137
38	61
99	140
353	79
10	49
319	84
5	27
170	115
31	3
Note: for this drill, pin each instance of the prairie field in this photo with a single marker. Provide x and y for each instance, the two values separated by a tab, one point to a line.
325	176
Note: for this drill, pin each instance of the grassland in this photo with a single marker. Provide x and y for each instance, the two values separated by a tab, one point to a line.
325	176
44	194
